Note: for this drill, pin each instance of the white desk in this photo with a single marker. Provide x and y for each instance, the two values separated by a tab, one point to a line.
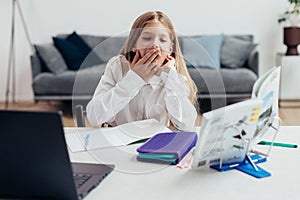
136	180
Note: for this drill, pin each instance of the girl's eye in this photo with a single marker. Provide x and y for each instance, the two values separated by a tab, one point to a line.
147	38
163	40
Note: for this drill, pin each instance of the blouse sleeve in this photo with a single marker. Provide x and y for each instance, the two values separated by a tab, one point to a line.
180	109
113	92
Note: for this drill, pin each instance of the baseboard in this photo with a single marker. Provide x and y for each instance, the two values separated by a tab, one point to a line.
289	103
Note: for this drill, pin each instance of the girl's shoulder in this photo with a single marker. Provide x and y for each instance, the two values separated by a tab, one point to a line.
118	64
116	61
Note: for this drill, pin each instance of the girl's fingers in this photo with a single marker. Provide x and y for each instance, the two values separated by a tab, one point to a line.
158	71
169	60
153	58
170	57
146	59
154	69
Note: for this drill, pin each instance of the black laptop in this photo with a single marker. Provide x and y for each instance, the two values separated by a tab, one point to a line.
34	160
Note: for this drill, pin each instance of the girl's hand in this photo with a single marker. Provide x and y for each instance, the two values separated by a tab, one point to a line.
147	65
166	67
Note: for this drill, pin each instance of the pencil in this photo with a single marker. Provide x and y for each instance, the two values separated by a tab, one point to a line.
259	153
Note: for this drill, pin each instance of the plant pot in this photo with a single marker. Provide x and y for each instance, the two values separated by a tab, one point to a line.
291	38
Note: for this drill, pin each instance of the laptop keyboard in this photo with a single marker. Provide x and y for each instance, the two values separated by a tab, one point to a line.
80	179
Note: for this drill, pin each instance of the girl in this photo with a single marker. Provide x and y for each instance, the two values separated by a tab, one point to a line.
149	79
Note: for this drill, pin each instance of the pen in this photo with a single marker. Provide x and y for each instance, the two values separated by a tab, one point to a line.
139	141
278	144
86	142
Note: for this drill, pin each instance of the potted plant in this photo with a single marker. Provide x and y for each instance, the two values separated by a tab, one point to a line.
291	33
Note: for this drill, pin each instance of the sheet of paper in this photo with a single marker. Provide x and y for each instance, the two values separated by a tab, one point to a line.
74	143
122	135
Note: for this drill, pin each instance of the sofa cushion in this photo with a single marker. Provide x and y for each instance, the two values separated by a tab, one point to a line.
227	80
93	40
85	49
51	58
76	52
109	48
82	82
202	51
235	51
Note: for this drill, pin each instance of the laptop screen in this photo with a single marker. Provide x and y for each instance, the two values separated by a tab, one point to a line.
34	157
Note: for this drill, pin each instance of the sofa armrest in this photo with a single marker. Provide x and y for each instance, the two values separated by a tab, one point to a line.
253	61
36	65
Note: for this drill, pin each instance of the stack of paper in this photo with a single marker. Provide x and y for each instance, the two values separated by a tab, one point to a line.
82	139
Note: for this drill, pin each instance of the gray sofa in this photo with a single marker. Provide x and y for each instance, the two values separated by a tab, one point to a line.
219	85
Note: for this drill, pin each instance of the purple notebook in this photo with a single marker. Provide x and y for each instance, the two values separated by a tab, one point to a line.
168	147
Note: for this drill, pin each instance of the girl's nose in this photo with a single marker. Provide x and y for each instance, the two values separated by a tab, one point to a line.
154	45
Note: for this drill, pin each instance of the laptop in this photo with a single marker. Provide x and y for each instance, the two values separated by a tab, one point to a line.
34	159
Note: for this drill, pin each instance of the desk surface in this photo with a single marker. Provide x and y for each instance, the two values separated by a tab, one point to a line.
137	180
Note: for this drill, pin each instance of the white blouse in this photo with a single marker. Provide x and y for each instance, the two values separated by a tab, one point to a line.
123	96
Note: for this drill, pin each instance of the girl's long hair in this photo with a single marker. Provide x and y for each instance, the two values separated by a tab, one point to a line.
180	66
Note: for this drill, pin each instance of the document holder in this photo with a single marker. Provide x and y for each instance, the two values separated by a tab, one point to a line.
246	167
249	168
230	135
249	165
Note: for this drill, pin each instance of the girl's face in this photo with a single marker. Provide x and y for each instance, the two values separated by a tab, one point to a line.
154	36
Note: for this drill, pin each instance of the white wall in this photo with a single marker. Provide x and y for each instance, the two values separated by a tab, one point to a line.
46	18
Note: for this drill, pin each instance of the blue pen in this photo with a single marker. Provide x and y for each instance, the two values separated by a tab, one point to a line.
86	142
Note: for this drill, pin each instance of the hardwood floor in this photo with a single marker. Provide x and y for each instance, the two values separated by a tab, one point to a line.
68	120
289	116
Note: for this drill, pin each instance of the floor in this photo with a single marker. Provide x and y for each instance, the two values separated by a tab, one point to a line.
68	120
290	116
